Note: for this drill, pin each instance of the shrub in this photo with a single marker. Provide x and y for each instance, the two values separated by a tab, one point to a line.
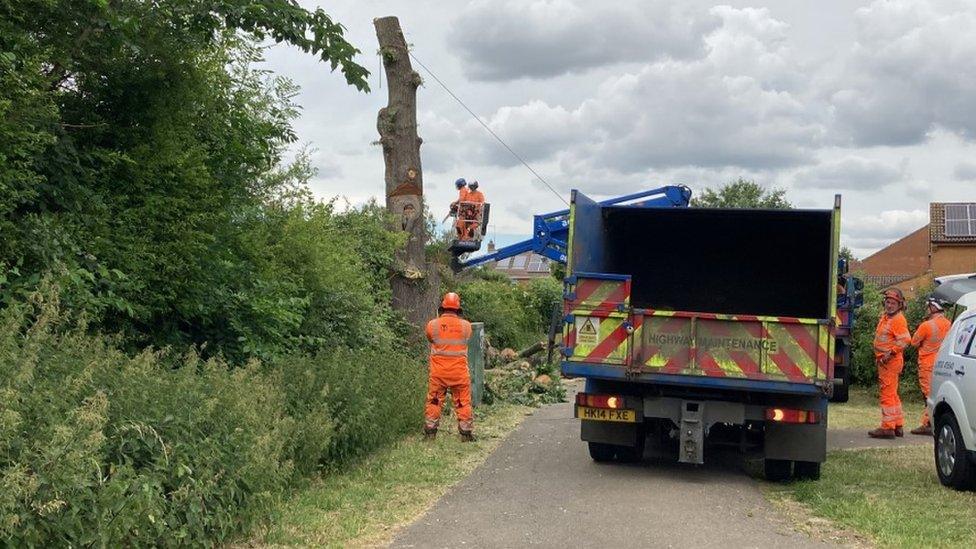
501	306
97	447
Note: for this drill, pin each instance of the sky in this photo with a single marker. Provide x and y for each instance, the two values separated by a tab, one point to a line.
875	100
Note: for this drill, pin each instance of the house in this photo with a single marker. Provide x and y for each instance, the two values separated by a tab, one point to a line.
947	245
522	267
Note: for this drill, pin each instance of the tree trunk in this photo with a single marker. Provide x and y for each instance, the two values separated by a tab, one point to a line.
415	286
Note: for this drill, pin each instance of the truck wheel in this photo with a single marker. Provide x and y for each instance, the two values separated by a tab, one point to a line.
951	459
842	391
600	452
778	470
806	470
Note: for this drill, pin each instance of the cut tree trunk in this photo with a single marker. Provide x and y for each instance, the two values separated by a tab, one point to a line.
415	286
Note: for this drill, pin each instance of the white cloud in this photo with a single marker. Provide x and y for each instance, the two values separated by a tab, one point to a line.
849	173
912	69
740	105
965	171
866	233
544	38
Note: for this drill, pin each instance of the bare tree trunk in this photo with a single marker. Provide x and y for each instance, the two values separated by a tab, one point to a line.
414	285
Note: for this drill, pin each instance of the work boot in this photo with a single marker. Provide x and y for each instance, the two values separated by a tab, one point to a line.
466	436
430	434
922	430
882	433
899	432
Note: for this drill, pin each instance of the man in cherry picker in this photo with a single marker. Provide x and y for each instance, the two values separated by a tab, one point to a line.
470	212
462	187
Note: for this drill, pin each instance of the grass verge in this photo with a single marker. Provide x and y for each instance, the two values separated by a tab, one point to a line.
862	411
364	505
890	496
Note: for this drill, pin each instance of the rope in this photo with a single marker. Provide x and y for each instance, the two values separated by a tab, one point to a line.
485	126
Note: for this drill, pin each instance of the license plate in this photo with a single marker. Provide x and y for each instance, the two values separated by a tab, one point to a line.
603	414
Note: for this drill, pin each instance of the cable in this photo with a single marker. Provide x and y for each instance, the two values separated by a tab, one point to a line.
485	126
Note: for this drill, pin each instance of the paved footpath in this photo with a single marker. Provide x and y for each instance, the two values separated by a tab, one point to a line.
540	488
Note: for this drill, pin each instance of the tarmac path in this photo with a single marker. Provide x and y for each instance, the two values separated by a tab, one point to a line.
540	488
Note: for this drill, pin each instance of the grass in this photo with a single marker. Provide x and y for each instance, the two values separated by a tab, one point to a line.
364	505
890	496
862	411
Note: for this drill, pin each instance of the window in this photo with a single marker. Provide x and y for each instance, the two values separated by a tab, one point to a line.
960	219
964	337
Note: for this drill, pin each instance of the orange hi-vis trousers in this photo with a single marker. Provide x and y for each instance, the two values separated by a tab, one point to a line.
925	367
458	382
891	410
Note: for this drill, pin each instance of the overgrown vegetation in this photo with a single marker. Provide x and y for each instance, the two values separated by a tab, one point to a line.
514	315
165	448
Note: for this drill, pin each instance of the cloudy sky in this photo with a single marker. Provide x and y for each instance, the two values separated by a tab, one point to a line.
874	100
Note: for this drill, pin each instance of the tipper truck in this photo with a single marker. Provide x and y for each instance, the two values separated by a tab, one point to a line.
700	326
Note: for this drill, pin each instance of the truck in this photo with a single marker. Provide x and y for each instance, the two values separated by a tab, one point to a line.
697	327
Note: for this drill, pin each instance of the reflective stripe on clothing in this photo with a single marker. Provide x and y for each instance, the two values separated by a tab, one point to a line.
449	335
892	414
891	335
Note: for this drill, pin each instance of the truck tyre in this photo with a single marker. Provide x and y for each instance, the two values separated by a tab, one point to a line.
842	391
600	452
778	470
806	470
951	458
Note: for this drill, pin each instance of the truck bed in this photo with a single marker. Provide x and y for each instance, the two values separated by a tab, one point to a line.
695	296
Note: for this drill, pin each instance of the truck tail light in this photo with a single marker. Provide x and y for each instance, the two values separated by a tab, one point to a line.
613	402
789	415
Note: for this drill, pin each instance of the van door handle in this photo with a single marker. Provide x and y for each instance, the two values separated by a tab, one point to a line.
960	373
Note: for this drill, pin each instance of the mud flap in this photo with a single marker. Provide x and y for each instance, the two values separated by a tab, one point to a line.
618	434
796	442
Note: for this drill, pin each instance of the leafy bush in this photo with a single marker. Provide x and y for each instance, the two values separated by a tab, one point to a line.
514	315
100	448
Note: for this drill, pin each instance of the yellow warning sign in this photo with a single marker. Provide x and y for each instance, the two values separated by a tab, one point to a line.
587	331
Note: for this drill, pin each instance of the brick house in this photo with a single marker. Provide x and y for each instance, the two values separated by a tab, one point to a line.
947	245
523	267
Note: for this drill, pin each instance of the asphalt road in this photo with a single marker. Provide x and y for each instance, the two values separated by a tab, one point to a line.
541	488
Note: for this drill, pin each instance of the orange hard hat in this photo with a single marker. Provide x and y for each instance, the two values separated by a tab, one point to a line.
896	294
451	301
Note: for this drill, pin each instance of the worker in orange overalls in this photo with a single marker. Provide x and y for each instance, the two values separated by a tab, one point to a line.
475	201
448	335
890	340
928	338
462	187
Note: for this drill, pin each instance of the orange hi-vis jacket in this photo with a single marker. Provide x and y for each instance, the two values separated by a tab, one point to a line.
891	335
448	335
475	196
463	193
929	337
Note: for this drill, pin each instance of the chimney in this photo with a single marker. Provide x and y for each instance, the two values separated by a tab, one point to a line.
491	246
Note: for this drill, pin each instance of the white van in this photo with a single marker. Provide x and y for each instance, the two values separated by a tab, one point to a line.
952	402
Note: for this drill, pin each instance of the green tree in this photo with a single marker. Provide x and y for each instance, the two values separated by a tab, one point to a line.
141	159
742	193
